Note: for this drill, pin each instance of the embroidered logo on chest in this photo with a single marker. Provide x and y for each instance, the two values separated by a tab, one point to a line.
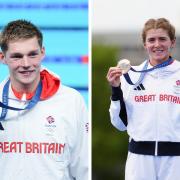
139	87
50	125
177	87
178	82
50	119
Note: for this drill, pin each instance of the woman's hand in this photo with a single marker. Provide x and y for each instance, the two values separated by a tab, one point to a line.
113	76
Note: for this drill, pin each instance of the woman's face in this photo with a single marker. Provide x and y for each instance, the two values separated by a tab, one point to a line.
158	45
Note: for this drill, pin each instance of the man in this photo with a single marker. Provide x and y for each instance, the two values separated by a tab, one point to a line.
43	123
149	109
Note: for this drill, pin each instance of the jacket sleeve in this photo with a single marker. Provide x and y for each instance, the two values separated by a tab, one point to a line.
117	109
80	158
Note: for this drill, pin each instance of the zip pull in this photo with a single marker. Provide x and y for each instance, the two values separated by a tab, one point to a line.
156	148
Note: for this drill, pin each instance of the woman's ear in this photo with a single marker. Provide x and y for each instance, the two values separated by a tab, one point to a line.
173	43
144	45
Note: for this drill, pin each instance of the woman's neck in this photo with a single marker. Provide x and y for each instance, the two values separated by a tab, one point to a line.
156	62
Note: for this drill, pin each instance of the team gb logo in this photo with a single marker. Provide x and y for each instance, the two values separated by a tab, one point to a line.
50	119
178	82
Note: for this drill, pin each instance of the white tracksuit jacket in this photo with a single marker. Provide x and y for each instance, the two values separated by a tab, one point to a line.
153	114
47	142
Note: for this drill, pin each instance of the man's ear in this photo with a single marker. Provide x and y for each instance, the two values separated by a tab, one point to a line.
42	53
2	58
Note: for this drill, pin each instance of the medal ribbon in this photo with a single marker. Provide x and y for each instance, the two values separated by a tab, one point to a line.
4	103
145	70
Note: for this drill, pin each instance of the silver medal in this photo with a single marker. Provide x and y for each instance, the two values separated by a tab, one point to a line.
124	65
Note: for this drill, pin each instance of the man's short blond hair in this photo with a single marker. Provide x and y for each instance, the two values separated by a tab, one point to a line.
19	29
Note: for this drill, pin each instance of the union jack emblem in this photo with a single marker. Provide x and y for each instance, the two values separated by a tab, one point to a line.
178	82
50	119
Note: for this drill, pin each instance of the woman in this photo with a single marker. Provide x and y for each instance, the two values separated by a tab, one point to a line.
150	109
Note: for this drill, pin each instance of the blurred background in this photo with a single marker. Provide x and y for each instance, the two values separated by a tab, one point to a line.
64	24
116	34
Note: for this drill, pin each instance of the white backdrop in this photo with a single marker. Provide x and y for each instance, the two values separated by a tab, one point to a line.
130	15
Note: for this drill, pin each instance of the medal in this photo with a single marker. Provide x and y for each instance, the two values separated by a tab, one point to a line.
125	66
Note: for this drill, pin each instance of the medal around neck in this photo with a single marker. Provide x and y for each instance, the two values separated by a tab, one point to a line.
124	65
4	104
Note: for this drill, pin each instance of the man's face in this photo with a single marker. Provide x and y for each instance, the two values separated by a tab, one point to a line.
158	45
23	59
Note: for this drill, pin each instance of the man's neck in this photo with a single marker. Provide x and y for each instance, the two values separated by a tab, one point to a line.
25	88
